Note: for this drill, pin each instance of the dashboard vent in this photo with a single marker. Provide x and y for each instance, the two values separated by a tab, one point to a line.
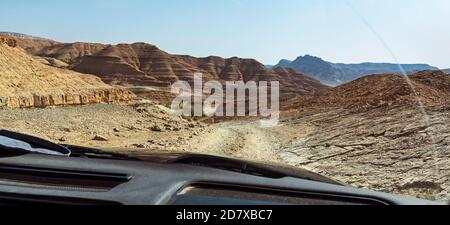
59	179
20	199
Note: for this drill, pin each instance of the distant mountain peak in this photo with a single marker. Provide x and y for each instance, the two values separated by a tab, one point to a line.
338	73
309	58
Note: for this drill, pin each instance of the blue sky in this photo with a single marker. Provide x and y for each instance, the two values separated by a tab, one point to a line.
417	31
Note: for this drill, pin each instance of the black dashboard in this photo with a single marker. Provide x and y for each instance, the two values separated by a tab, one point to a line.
44	179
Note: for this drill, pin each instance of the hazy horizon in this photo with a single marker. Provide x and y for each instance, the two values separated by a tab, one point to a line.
265	30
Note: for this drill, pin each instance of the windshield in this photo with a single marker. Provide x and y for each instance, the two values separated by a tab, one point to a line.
356	91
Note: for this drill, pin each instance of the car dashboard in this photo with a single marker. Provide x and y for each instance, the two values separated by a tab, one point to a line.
44	179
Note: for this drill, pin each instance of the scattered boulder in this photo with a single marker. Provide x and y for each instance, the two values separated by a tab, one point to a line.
100	138
65	129
141	110
139	146
62	139
156	128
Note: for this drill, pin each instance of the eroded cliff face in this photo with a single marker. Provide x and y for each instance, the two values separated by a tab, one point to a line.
43	101
26	82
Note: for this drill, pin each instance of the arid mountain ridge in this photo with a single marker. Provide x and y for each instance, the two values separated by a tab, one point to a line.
142	64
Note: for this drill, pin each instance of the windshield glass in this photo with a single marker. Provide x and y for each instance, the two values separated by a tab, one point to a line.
356	91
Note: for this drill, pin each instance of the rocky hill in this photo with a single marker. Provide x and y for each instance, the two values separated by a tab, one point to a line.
339	73
376	91
26	82
30	43
69	52
141	64
315	67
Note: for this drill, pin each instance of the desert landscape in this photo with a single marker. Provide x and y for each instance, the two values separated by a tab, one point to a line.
374	131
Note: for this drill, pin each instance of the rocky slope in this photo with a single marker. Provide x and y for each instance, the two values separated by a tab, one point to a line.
391	150
339	73
372	133
30	43
432	88
26	82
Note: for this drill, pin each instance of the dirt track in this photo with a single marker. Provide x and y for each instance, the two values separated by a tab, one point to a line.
239	139
248	140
